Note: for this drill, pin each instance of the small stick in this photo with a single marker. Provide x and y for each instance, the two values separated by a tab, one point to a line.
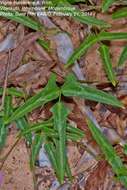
5	81
9	152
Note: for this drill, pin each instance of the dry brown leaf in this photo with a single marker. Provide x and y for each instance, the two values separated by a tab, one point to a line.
73	156
97	177
17	54
34	74
93	60
85	163
39	53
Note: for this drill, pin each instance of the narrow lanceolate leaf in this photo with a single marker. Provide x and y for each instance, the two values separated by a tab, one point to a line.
122	13
50	92
105	55
22	125
106	4
45	126
38	140
7	107
6	113
123	56
90	20
112	36
73	137
88	42
72	87
20	18
125	149
50	149
73	134
44	44
82	17
13	92
3	133
110	154
68	171
49	132
74	130
60	113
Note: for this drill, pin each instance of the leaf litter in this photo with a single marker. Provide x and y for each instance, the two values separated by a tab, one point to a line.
30	69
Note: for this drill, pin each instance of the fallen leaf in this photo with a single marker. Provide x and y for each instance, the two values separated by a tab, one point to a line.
17	54
32	74
97	176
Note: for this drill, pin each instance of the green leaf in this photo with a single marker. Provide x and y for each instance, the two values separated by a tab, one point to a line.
73	134
91	40
105	55
123	56
6	113
73	137
68	171
125	149
82	49
45	126
76	1
44	44
38	140
122	13
22	124
80	16
50	92
13	92
106	4
7	107
49	132
60	113
3	133
50	149
72	88
112	36
74	130
109	152
20	18
42	128
91	21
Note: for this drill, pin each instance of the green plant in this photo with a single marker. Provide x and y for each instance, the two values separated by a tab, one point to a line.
56	131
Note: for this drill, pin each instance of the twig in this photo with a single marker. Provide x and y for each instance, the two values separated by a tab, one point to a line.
9	152
5	81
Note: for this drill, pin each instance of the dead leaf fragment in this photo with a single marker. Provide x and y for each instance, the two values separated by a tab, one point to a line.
17	54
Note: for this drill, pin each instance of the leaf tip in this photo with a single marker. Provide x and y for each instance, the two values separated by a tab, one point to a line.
66	66
114	83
